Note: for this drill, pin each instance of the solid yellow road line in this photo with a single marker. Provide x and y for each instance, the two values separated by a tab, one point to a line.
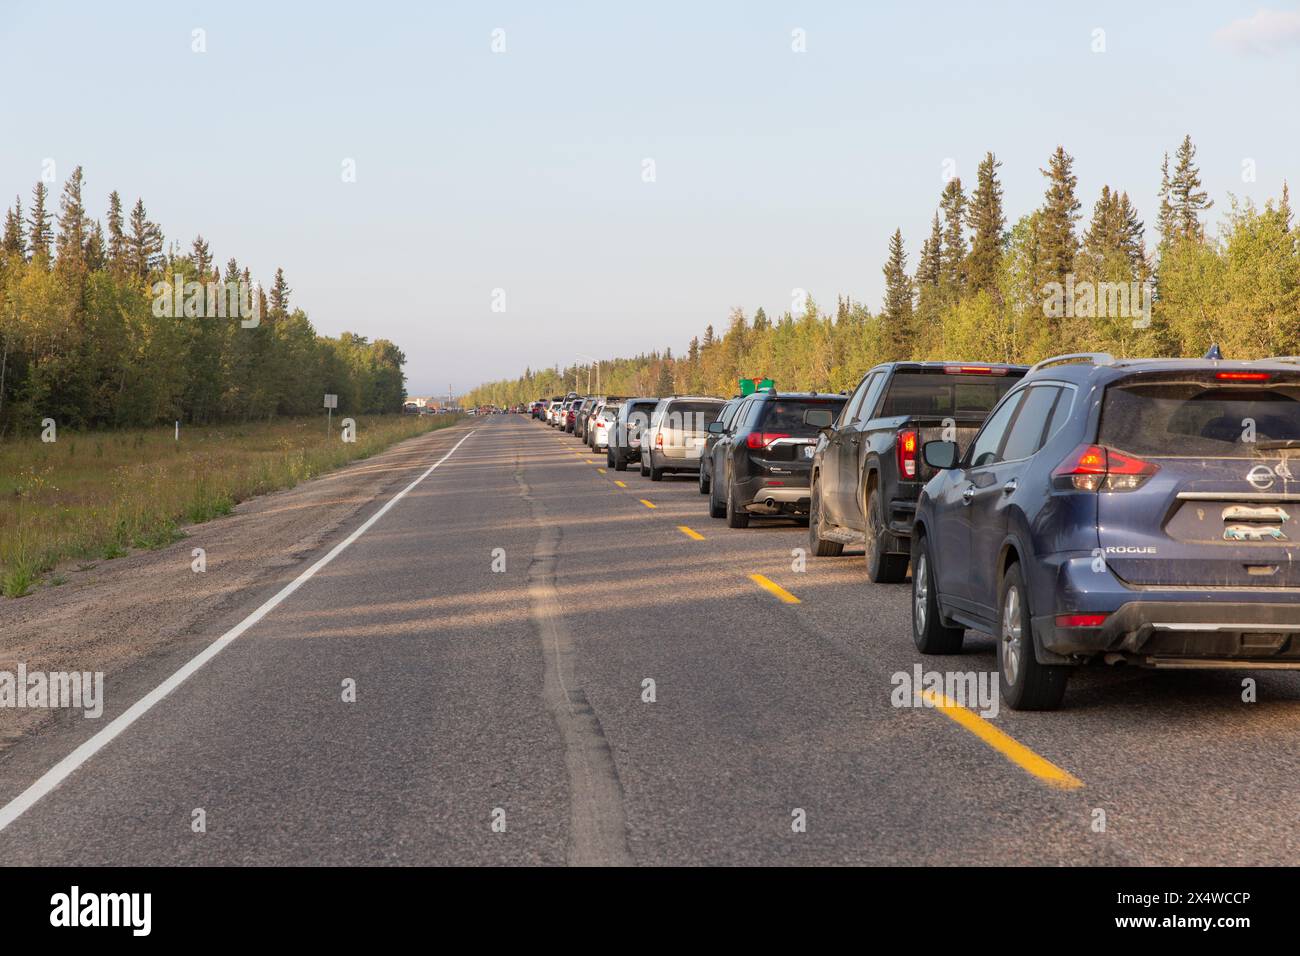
768	584
620	484
693	535
646	503
601	470
1009	747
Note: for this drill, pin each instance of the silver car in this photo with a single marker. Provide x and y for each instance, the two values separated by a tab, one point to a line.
678	430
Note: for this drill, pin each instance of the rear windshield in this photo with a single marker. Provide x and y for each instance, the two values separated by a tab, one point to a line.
692	417
801	418
1191	420
921	393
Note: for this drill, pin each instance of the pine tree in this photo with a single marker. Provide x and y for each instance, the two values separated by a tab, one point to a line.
952	254
96	257
708	335
761	324
117	244
280	294
1057	242
144	245
987	221
40	237
1186	196
897	313
202	257
1132	236
928	270
14	242
74	225
1165	219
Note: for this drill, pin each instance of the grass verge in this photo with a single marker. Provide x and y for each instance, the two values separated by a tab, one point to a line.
93	496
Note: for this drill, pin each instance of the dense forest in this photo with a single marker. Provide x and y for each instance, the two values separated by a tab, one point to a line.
91	337
981	289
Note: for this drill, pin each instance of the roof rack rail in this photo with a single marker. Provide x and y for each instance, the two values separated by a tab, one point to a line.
1095	358
1292	359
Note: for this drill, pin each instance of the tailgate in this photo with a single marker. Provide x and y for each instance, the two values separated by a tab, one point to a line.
1222	507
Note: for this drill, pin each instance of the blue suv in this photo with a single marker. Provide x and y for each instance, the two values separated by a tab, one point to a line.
1142	511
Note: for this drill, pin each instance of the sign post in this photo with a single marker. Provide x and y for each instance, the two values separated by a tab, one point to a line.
331	403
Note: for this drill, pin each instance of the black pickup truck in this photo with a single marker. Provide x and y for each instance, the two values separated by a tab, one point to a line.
867	470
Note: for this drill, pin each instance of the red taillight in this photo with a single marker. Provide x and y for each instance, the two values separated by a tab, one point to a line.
659	440
1080	620
1243	376
973	370
907	442
761	440
1097	468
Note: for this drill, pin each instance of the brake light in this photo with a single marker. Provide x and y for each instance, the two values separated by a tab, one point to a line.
1097	468
907	441
1080	620
973	370
1243	376
761	440
659	440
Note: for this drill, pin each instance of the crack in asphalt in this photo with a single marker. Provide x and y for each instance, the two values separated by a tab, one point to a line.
597	825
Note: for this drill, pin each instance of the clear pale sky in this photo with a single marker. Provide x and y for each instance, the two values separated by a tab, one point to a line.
522	170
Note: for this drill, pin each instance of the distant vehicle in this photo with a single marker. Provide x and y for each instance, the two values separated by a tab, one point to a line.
570	415
676	433
867	471
580	416
410	408
761	463
1097	514
601	423
625	442
711	439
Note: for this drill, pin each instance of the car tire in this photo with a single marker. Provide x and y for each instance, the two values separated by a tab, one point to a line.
882	567
717	509
704	482
609	457
645	472
736	516
818	545
930	634
620	461
1025	684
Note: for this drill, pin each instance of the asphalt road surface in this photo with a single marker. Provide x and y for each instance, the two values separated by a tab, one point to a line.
500	716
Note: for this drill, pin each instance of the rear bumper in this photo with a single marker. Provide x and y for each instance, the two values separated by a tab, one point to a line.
665	462
760	498
1184	627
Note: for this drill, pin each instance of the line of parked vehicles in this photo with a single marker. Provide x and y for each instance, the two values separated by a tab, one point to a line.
1088	508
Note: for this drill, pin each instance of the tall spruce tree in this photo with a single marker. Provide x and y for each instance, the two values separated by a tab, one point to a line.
117	244
14	243
897	313
1057	242
928	269
144	245
1165	221
1187	197
986	219
40	235
952	254
74	225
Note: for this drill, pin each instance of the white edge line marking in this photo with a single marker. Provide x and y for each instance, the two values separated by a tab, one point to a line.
49	780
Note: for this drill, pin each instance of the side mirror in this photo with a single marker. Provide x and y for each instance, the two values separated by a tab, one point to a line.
715	428
940	454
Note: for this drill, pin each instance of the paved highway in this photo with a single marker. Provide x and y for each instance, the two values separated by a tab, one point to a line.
518	697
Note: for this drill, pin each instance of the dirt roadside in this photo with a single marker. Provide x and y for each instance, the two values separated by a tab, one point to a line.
122	612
